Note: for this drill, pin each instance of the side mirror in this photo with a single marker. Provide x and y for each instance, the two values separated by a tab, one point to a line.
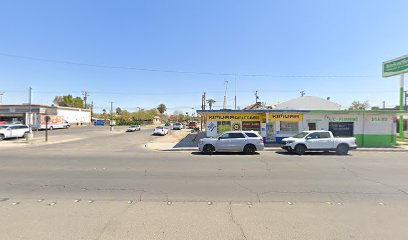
308	138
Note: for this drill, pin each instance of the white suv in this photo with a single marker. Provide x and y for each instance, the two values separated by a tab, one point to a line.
235	141
14	131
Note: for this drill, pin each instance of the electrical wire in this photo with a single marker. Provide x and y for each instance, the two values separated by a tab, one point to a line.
38	59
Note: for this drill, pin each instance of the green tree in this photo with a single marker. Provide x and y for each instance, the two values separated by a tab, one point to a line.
357	105
210	103
161	108
69	101
119	110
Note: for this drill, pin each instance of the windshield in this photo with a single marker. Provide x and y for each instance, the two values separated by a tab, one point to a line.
301	135
3	126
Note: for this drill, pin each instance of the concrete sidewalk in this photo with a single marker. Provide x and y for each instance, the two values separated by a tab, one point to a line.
190	140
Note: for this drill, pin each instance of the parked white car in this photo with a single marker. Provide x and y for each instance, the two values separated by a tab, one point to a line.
14	131
234	141
160	131
133	128
318	141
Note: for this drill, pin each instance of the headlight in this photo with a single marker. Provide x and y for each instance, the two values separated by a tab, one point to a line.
200	141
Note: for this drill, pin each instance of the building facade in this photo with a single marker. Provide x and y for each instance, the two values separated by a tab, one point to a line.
370	128
29	113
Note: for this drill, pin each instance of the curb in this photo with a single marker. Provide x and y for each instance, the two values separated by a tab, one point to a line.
279	149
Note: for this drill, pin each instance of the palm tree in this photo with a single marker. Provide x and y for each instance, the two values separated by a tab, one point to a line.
161	108
210	103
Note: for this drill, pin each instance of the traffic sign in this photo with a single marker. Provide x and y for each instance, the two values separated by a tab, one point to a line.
395	66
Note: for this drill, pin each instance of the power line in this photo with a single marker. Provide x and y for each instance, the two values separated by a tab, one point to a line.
38	59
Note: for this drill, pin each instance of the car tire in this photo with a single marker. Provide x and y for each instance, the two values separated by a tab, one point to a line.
300	149
2	137
51	128
25	135
249	149
342	149
208	149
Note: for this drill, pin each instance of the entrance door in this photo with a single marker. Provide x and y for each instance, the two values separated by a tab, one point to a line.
312	126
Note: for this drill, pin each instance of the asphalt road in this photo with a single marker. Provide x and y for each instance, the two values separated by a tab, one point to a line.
316	196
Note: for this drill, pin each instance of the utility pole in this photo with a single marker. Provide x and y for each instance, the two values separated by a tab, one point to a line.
256	97
86	95
111	116
29	108
1	97
140	119
383	104
235	97
225	95
406	96
302	93
401	117
91	110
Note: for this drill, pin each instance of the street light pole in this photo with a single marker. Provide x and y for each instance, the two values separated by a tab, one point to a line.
111	116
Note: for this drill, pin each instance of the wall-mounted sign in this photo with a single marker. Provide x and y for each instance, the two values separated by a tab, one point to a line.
236	126
226	116
286	117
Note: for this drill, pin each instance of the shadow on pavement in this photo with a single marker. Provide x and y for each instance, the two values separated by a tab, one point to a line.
310	153
191	140
224	153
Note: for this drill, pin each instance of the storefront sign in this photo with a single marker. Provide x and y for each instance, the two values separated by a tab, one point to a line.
226	117
379	119
343	119
287	117
396	66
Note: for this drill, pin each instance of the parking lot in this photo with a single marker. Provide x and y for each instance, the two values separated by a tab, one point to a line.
111	173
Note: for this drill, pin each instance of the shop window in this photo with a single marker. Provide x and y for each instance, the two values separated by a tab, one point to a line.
312	126
223	126
342	129
251	126
289	127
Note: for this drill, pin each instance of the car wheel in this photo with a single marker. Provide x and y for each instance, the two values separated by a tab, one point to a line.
300	149
208	149
1	137
25	135
342	149
51	128
249	149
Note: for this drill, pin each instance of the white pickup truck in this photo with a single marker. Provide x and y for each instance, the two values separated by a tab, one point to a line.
318	141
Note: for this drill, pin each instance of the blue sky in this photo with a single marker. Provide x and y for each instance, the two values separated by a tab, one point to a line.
311	38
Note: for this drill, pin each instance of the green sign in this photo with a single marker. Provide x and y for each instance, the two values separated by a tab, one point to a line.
396	66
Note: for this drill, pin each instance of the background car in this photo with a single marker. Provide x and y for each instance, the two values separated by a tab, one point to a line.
14	131
234	141
133	128
192	125
177	126
161	130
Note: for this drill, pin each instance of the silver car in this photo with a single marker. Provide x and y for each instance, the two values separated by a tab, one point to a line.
235	141
133	128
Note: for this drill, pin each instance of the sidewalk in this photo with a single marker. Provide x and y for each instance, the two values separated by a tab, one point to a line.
188	142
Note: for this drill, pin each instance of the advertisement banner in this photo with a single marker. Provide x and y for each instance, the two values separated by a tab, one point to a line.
234	116
286	117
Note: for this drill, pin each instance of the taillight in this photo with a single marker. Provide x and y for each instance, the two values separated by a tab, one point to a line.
261	140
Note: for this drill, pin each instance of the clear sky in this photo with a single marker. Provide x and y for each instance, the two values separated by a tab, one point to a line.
276	41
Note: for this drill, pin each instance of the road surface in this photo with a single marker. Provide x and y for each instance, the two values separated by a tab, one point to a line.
109	186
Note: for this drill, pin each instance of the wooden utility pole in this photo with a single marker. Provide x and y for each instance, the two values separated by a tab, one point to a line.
86	95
